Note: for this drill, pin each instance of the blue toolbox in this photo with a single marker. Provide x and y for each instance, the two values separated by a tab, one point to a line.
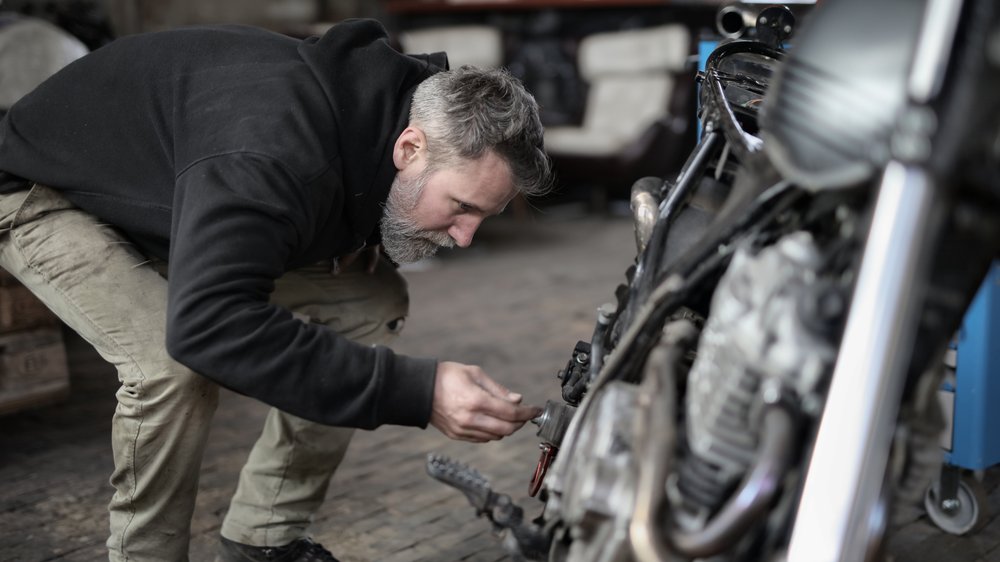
957	502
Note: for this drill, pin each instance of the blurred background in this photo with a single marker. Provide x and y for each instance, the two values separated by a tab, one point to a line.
614	78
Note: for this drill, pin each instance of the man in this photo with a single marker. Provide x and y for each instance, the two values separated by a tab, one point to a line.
258	169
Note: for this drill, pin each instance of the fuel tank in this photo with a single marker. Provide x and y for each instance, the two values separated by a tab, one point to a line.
832	107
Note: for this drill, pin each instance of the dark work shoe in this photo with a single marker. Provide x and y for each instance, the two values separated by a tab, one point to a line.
299	550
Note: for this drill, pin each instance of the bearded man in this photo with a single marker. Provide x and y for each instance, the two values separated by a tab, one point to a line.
205	205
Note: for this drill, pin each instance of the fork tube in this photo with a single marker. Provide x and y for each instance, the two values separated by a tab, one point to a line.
851	451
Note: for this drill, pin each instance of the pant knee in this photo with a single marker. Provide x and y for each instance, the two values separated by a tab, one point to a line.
167	390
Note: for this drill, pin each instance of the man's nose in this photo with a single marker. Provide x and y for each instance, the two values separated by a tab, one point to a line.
463	230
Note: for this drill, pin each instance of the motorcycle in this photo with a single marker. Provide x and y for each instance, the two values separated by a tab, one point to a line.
764	386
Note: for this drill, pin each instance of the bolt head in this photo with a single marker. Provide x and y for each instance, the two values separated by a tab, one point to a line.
951	506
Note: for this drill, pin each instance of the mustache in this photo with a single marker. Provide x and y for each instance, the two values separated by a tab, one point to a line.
440	239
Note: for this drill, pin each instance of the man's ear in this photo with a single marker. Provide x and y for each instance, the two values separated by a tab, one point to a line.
410	148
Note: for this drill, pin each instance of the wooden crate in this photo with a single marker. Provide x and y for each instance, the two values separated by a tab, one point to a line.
6	279
19	309
33	369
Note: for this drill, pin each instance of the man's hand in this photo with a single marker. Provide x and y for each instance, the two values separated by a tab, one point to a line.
470	406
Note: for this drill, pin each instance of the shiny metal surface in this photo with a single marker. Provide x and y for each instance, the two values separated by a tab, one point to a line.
756	493
934	49
644	204
849	460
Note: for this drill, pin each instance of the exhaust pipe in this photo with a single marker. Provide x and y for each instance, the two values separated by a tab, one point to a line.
736	20
645	203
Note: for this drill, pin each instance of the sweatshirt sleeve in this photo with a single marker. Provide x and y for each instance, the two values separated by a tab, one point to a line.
237	222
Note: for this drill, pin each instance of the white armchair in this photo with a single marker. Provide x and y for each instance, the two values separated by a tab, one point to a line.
475	45
641	92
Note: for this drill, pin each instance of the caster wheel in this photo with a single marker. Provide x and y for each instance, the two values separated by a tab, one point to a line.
967	515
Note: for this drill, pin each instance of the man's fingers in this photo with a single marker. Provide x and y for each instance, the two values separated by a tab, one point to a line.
496	389
524	413
513	415
476	429
503	406
486	428
496	426
506	410
472	435
490	419
470	406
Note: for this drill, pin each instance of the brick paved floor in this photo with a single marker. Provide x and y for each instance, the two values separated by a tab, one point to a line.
515	303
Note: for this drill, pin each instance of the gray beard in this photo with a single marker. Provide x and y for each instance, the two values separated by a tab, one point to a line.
402	240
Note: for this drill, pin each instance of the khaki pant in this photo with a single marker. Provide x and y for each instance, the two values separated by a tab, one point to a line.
110	294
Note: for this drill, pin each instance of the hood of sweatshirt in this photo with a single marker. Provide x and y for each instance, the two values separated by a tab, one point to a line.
369	86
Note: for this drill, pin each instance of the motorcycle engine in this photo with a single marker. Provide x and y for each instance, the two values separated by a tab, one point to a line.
769	330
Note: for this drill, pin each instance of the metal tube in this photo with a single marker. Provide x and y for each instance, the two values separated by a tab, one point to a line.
657	436
687	181
688	175
744	141
934	48
644	203
735	20
604	314
851	451
657	439
753	498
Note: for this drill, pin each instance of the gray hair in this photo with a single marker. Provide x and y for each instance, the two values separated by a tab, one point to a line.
467	112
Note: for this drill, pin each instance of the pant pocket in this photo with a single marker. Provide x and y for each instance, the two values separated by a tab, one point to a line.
10	206
38	201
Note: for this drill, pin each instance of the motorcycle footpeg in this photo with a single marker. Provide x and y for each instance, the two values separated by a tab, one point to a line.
464	479
527	538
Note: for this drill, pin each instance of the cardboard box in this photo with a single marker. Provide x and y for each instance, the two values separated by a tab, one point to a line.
33	369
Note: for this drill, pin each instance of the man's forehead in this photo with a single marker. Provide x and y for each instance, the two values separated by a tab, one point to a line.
491	178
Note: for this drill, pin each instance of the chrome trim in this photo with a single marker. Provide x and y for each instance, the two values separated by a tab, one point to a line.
851	452
645	209
934	47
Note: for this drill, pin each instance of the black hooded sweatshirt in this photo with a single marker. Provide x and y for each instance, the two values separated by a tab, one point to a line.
238	154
